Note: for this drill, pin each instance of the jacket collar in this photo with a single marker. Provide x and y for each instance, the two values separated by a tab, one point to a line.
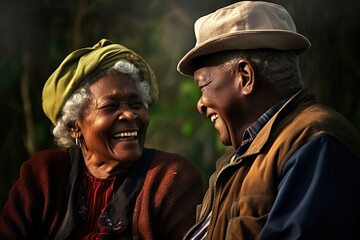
264	134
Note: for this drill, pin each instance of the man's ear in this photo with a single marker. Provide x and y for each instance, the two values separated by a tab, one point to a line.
246	69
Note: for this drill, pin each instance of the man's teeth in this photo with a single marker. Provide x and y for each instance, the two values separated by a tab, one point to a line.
126	134
213	117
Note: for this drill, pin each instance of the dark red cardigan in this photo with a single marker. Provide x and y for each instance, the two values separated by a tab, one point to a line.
164	209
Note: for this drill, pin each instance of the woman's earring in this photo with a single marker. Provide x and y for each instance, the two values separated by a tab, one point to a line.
78	140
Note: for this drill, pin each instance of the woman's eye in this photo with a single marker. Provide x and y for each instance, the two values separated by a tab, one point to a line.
109	106
137	104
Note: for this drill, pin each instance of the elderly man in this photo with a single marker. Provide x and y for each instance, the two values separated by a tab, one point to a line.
293	170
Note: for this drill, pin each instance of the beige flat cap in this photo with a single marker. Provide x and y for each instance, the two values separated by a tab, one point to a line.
244	25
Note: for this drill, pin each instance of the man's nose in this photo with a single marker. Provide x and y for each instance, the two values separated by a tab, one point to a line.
201	108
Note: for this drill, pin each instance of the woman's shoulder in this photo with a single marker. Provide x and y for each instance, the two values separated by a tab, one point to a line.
173	171
44	170
47	159
169	157
49	155
173	162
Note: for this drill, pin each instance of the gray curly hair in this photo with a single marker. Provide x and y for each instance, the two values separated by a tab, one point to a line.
74	106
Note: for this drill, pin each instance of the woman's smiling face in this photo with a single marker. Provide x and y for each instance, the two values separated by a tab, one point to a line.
114	124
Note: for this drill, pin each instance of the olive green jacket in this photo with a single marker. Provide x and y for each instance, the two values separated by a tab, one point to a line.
242	192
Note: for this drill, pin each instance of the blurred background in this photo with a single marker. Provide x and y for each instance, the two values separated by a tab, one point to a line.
37	35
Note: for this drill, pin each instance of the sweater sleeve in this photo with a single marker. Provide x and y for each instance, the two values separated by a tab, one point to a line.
32	208
318	195
172	190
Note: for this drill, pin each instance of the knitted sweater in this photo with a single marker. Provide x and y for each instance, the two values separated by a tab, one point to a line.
164	208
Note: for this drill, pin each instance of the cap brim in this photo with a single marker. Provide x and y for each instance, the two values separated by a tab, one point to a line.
274	39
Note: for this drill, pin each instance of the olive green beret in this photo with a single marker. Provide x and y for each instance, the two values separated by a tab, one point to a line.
82	63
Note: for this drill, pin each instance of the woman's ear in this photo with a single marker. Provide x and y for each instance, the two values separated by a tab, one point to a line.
73	129
246	69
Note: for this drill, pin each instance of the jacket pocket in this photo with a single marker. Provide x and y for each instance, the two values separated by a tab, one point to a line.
255	205
248	216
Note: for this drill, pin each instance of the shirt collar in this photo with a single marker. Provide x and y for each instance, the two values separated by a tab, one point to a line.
252	131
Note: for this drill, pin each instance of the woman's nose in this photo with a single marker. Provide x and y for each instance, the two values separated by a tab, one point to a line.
201	108
127	115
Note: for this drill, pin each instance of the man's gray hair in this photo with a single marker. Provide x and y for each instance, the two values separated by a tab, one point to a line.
278	68
76	103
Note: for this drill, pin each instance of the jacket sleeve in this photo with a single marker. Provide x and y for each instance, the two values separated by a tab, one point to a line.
30	212
18	217
318	196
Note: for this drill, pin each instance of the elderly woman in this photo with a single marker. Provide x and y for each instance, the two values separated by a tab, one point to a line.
102	183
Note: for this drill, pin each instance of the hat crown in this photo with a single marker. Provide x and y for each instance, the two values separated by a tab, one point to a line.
243	17
241	26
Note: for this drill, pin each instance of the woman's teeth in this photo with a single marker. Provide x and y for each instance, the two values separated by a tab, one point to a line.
126	134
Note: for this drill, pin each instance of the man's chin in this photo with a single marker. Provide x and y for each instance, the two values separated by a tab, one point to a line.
225	141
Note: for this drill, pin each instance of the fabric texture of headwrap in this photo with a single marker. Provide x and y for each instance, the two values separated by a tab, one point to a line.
80	64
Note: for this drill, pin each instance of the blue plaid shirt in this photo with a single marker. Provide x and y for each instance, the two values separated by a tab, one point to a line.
252	131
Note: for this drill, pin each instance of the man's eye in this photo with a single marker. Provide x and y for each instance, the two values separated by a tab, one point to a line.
204	84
